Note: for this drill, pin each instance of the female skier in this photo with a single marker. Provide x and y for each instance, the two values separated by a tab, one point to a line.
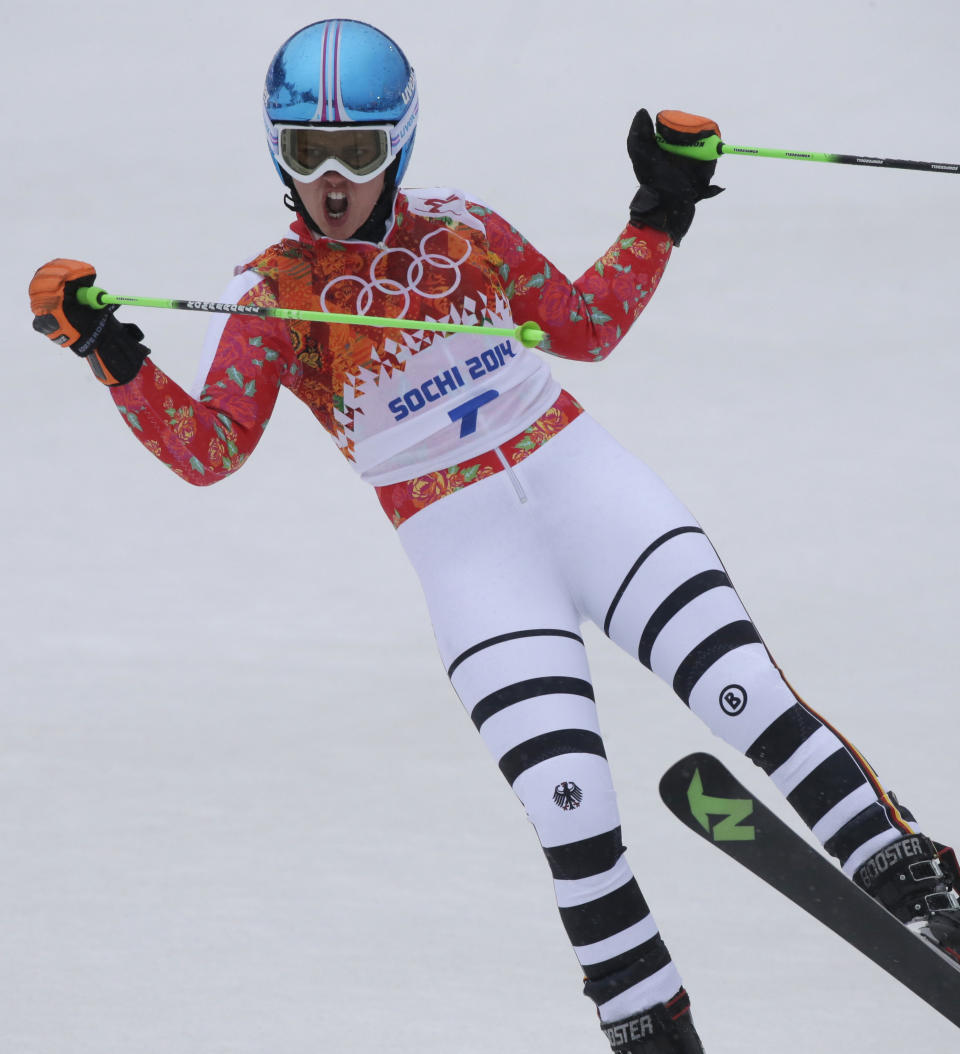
522	517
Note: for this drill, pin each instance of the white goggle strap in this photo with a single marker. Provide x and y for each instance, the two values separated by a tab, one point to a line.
404	128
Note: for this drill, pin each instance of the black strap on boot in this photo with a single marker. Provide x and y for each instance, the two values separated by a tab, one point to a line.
666	1028
912	878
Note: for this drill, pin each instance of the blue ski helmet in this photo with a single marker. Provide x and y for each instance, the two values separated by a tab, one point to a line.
341	72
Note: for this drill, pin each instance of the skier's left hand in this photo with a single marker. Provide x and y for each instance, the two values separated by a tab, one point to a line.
670	185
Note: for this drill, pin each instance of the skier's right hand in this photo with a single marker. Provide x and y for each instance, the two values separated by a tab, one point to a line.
113	349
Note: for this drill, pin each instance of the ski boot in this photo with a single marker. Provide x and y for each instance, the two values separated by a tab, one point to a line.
917	880
666	1028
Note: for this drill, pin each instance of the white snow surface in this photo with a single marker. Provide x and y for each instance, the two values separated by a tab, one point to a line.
241	810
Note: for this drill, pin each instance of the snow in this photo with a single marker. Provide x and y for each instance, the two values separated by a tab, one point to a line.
240	807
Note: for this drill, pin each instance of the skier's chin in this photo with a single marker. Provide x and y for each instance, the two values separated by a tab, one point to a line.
338	206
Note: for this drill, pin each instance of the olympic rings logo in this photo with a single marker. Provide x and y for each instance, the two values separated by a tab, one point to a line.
416	270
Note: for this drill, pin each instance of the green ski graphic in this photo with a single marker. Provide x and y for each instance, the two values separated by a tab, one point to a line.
733	809
782	858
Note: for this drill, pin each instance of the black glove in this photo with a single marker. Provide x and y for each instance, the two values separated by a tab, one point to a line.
113	349
670	185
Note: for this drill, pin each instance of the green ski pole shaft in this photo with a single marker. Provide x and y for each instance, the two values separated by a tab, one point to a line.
712	147
529	333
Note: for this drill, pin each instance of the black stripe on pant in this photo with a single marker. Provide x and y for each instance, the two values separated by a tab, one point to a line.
593	860
718	640
829	783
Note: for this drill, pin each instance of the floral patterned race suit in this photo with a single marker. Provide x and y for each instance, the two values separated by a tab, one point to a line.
523	519
386	395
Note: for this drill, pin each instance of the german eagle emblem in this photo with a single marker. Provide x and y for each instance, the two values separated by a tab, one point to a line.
567	795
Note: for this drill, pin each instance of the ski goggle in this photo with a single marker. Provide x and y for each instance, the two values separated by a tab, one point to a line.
358	152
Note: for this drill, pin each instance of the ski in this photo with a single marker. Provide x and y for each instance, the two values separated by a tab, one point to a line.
703	794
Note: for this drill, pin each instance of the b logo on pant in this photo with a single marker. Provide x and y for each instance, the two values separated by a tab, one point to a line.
733	700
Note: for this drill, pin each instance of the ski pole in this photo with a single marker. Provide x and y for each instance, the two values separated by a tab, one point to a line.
529	333
712	147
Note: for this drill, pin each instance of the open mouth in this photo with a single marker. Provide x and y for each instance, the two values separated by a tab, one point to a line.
336	204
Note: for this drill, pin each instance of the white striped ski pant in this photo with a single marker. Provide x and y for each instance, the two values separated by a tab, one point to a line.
511	566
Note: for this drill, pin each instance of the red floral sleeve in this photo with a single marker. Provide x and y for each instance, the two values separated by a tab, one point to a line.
204	440
585	319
